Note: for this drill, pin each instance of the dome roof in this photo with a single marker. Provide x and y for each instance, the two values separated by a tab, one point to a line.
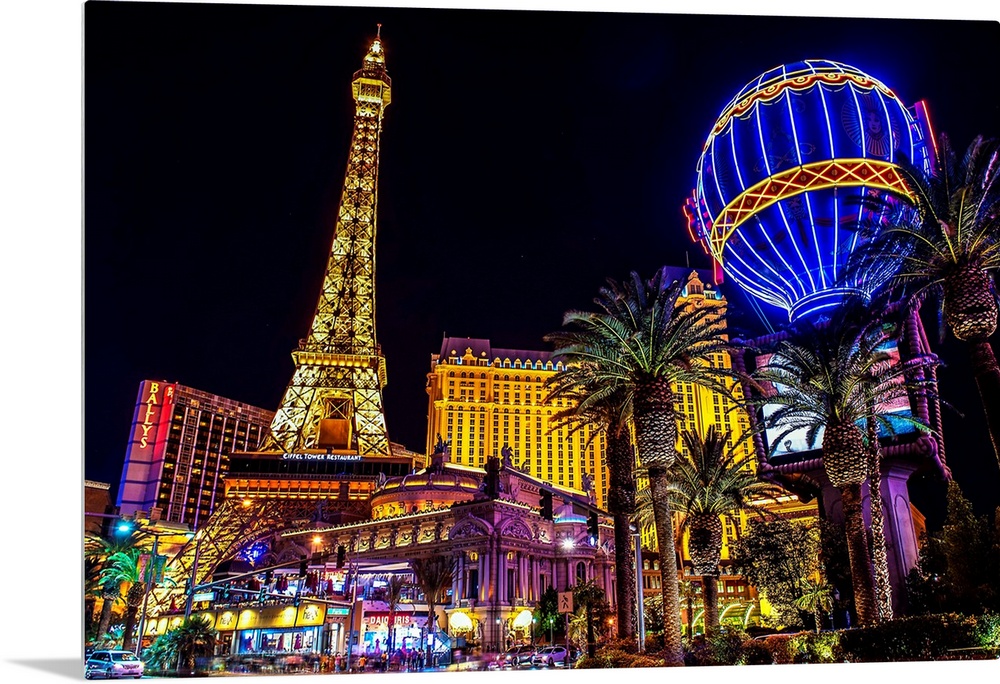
449	482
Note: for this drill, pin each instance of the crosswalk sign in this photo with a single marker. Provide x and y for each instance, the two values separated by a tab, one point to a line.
565	601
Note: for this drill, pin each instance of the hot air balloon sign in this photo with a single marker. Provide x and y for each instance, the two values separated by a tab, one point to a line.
777	196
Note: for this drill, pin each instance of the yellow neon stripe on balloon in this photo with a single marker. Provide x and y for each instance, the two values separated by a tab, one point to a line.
795	82
795	181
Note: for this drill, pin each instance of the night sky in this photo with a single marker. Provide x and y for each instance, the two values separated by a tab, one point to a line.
526	156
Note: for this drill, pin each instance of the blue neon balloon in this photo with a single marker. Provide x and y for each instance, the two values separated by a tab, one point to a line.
778	182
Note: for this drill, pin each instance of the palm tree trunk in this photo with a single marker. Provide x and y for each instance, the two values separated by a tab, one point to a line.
130	615
857	550
710	592
432	621
392	624
591	643
624	577
133	600
987	374
106	608
690	606
817	617
621	503
880	560
673	647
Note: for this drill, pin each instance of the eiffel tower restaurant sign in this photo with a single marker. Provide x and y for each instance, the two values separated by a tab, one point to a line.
320	457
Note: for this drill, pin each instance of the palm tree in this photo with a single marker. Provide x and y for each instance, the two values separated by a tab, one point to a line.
828	375
945	241
194	637
817	598
712	484
592	405
123	568
98	550
179	647
643	342
393	595
434	575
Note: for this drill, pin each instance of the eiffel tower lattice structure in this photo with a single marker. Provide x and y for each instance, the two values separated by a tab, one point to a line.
330	425
335	396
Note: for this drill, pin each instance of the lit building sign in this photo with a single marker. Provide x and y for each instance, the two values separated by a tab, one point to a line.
780	179
157	396
796	442
321	457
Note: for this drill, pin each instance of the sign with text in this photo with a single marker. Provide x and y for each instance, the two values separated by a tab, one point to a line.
320	457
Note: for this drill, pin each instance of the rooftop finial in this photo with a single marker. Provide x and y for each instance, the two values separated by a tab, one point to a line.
378	34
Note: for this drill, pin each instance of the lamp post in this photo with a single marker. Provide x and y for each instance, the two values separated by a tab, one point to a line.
150	568
350	617
640	617
194	577
145	597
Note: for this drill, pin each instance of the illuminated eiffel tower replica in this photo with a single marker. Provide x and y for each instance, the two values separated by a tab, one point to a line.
327	444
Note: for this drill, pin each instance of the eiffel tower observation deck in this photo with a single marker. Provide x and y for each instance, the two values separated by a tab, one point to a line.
327	446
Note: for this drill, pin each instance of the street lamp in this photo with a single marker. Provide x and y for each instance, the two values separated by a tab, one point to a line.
350	616
150	574
640	617
194	573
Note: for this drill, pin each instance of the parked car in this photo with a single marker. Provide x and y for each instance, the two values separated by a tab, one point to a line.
517	655
113	665
550	656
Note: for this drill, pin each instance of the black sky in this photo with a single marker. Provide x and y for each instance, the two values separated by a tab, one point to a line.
525	157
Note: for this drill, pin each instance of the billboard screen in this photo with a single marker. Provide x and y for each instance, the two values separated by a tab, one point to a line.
795	442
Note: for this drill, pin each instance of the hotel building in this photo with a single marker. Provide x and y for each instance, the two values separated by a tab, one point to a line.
178	450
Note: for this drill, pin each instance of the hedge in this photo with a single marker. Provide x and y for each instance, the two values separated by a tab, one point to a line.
946	636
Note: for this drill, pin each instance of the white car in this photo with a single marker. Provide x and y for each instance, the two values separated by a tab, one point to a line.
113	665
550	656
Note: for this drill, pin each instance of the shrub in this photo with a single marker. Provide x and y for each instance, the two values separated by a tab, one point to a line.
986	633
627	645
777	646
724	647
756	653
809	647
647	661
606	658
920	637
654	642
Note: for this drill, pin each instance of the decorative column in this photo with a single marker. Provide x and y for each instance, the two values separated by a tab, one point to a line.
459	592
484	577
502	579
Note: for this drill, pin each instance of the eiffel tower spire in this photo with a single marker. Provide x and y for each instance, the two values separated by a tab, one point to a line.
334	399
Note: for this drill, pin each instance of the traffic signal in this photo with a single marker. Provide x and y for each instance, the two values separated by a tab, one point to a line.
268	577
546	505
341	556
303	563
592	526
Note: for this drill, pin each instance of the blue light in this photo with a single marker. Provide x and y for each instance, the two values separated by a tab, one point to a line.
776	198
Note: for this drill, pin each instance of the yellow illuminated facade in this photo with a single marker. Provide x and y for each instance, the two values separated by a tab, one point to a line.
483	398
